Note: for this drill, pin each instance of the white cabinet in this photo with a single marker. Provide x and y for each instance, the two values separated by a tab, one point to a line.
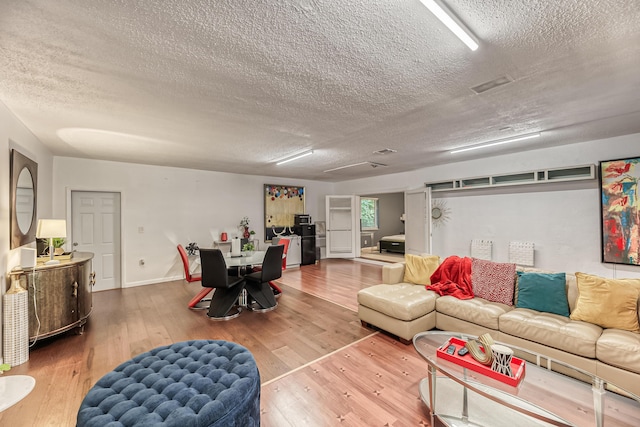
294	253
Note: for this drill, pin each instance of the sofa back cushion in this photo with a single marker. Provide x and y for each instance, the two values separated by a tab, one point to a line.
418	269
609	303
545	292
493	281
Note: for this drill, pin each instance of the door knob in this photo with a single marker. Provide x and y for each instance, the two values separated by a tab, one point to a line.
75	243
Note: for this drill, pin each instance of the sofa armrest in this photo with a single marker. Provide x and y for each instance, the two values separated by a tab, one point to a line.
393	273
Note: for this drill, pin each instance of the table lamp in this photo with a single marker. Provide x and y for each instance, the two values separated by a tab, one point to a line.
49	229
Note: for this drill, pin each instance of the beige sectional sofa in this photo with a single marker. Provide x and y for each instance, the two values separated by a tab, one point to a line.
404	309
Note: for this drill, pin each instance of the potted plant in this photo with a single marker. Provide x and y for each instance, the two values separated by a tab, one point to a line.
248	248
58	243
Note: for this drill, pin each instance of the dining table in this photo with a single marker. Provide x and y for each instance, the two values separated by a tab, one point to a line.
241	260
244	259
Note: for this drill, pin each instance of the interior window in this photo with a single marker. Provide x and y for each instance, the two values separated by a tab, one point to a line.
368	213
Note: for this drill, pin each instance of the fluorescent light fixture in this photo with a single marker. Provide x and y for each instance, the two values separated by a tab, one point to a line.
447	18
347	166
299	156
500	142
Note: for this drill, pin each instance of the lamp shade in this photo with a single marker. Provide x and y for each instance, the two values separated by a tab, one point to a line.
48	228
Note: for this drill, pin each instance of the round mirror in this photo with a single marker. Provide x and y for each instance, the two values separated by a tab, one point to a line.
24	202
436	213
25	198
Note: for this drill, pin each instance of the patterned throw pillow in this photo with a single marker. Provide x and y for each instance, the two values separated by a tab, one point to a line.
493	281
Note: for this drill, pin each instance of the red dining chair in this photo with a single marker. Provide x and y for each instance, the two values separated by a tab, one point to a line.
193	278
284	242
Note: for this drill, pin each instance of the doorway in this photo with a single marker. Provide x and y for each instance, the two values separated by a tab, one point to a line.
95	227
386	218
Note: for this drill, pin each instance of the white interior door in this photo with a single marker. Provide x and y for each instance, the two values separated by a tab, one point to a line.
417	208
95	227
343	226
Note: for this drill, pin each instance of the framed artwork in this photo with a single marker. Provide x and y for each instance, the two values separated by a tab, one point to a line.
281	203
620	211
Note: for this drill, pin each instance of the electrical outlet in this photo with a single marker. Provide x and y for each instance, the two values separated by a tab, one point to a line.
141	262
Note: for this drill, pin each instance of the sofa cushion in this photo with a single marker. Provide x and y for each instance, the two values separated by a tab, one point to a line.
476	310
619	348
402	301
393	273
493	281
552	330
610	303
543	292
418	269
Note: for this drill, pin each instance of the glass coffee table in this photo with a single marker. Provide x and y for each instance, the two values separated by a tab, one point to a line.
457	396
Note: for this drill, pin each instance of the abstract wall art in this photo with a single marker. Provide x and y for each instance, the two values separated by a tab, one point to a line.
620	211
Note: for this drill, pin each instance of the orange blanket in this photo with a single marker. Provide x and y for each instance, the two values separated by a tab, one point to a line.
453	277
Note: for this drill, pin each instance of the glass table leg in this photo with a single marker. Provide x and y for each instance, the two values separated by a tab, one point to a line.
432	393
465	402
598	401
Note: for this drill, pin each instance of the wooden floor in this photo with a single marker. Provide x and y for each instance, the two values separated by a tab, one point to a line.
318	365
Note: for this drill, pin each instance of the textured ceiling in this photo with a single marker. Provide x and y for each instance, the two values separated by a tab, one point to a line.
235	85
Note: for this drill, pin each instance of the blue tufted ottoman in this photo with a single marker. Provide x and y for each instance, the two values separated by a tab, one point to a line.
186	384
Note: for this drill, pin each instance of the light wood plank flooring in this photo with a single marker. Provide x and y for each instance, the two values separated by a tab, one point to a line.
312	353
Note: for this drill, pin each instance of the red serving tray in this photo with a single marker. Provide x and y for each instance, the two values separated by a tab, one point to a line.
517	365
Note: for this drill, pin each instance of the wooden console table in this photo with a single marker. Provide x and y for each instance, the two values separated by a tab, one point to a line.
63	295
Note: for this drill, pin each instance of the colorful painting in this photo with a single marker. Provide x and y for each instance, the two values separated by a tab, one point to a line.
620	211
281	203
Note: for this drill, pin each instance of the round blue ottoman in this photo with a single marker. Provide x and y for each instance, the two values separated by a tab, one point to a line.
186	384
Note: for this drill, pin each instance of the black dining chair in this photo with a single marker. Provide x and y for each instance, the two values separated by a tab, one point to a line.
257	283
227	288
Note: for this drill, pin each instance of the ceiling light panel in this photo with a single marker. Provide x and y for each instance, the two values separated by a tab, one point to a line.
498	142
345	167
452	22
296	157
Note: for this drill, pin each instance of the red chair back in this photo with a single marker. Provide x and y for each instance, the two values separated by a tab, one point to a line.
185	263
285	243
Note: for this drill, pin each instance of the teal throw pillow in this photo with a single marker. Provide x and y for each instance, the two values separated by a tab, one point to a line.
543	292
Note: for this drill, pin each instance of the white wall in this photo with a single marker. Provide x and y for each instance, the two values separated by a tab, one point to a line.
173	206
563	219
13	134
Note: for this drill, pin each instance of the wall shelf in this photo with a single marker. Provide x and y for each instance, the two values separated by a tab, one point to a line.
541	176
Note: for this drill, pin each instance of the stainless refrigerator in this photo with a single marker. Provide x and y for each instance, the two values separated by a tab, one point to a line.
308	242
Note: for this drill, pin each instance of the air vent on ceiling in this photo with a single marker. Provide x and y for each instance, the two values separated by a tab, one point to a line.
500	81
385	151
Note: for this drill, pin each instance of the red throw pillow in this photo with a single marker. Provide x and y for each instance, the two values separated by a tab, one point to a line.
493	281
